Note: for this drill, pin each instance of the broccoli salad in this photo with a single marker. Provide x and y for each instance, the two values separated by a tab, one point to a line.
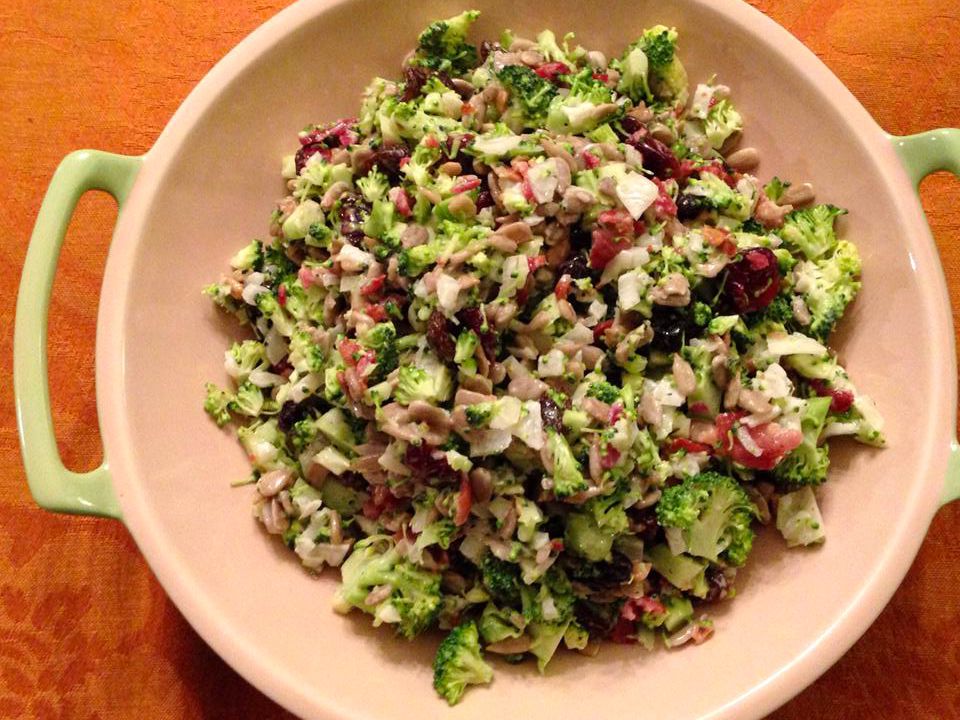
531	354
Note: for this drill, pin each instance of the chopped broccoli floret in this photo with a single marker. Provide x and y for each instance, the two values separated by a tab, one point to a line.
530	94
443	44
459	662
775	188
431	384
567	478
480	414
811	230
382	339
591	531
414	600
248	400
713	514
217	404
659	44
604	392
501	578
249	258
587	104
414	261
702	314
828	285
807	464
681	571
500	624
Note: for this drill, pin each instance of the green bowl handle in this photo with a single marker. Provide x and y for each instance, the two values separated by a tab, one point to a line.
52	485
921	155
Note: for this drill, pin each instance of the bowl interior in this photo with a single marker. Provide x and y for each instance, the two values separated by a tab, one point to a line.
218	185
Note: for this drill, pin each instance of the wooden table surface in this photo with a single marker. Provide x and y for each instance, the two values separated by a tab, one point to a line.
86	631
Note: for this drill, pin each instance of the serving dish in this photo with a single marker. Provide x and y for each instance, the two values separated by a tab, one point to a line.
208	182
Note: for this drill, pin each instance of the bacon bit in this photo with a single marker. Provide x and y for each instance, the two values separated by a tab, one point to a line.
720	238
690	446
590	160
373	286
700	634
536	262
350	351
602	77
605	247
464	501
282	295
403	161
528	191
664	206
466	109
307	277
365	364
381	500
687	168
600	329
562	289
609	458
376	312
699	408
639	227
774	442
431	142
842	399
557	545
467	182
649	605
618	220
401	201
550	70
616	412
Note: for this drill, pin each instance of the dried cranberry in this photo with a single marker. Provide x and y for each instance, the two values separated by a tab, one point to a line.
551	413
580	239
657	157
576	267
390	159
753	281
670	327
439	337
290	414
414	78
428	463
689	206
484	200
487	47
352	214
717	585
305	153
473	318
644	524
630	125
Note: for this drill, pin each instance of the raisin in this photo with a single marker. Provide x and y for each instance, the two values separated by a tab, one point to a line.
352	212
576	267
439	337
484	200
389	159
428	463
717	585
551	413
644	524
474	319
290	413
657	157
670	327
413	80
629	125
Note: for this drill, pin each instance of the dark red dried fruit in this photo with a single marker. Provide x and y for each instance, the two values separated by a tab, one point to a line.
390	160
644	524
290	414
630	125
842	400
414	78
753	281
576	267
428	463
657	157
353	211
717	585
305	153
484	200
474	319
439	337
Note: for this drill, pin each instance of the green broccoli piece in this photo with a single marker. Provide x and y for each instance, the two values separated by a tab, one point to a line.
667	76
248	400
431	385
303	433
681	571
807	464
659	44
587	104
318	235
382	339
501	578
530	94
249	258
713	514
702	314
443	44
722	121
779	310
604	392
413	262
567	478
811	230
415	598
496	624
828	286
775	188
480	414
459	662
217	404
590	532
374	185
305	354
551	600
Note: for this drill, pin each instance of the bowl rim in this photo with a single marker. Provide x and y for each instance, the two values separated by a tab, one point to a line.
853	617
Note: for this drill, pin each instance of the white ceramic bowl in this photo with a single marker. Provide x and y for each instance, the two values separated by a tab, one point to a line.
208	185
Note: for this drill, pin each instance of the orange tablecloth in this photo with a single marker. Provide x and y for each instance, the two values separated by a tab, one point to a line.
85	630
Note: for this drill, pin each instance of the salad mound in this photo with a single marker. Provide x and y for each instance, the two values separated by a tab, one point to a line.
531	354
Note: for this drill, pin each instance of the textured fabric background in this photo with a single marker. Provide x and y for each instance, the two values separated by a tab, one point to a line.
85	630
